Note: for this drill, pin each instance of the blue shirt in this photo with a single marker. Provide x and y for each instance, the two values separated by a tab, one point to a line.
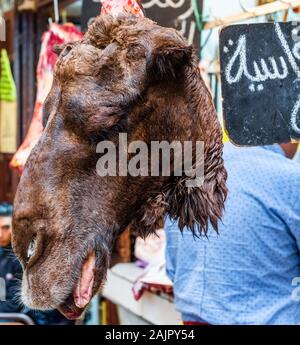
244	275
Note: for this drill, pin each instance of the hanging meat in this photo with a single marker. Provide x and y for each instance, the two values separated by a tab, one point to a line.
57	34
114	7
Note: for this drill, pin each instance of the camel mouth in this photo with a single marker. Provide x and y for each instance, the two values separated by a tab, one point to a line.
82	293
70	310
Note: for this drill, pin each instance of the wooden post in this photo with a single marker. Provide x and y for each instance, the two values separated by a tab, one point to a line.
124	247
257	11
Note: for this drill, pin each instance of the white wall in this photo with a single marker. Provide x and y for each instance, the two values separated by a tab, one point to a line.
219	8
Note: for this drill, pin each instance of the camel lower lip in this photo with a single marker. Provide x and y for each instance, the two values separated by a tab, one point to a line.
83	291
69	312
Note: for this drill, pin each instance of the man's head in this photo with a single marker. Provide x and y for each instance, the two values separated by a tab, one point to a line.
5	225
127	75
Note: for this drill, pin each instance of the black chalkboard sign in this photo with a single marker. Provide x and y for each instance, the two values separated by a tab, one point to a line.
89	10
260	71
178	14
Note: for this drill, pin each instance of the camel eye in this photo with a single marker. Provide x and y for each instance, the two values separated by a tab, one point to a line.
31	249
66	51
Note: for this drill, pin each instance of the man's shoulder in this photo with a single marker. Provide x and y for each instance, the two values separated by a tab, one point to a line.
292	169
258	165
260	155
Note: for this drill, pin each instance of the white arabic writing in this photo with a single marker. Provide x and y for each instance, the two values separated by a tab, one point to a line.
269	68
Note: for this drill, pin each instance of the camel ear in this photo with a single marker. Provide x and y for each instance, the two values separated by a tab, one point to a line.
170	57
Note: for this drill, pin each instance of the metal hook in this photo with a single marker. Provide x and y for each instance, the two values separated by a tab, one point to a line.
56	11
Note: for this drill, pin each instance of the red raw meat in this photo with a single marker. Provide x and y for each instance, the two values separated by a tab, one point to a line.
57	34
114	7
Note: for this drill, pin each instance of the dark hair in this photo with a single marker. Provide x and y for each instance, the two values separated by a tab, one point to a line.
6	210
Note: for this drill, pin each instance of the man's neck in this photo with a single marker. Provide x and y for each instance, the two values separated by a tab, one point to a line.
7	248
290	149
